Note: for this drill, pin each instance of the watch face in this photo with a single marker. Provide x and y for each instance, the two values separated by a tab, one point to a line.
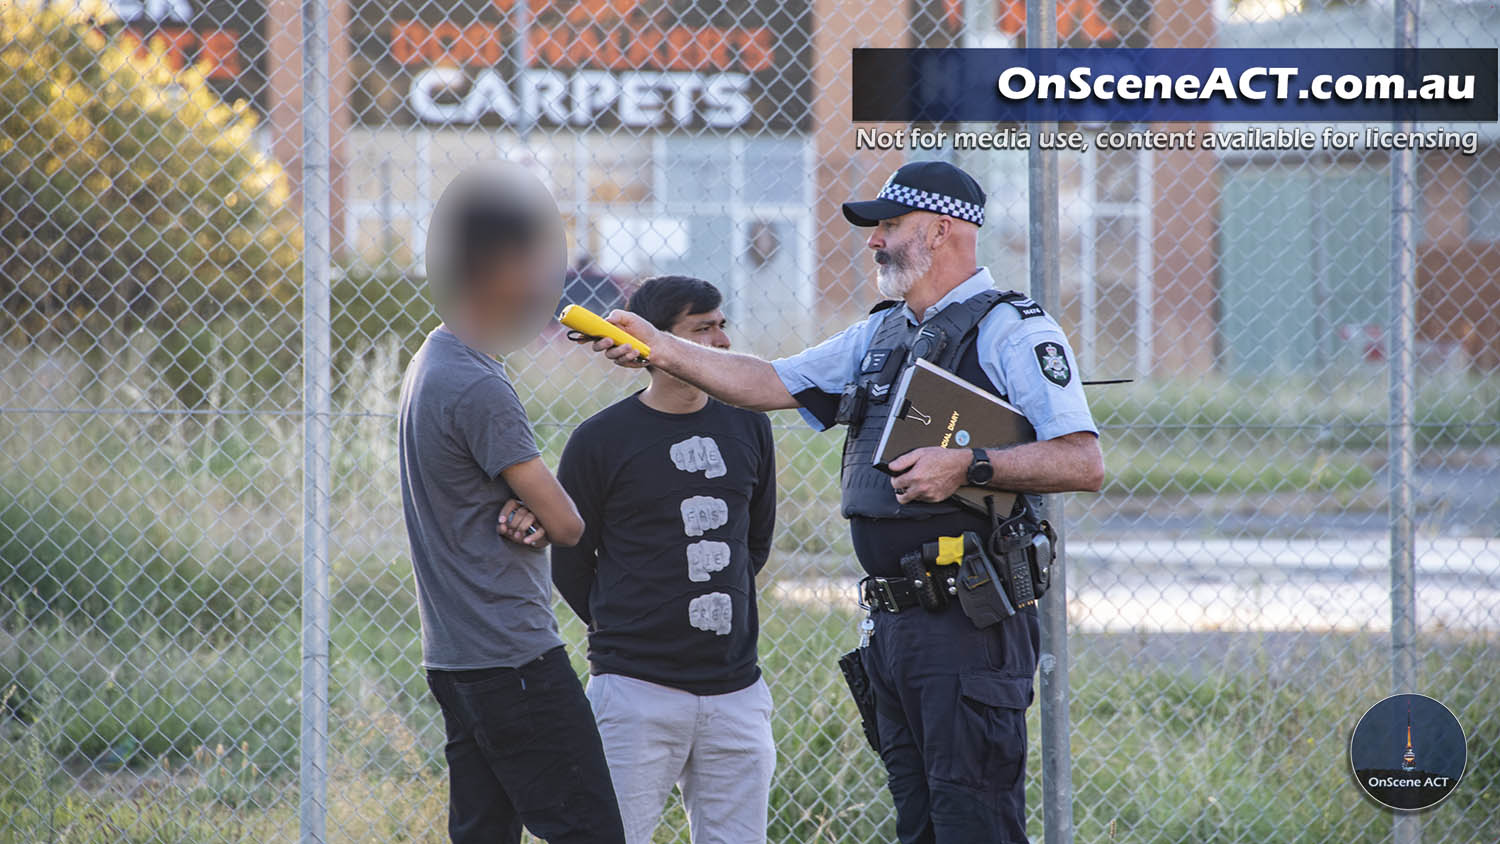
981	472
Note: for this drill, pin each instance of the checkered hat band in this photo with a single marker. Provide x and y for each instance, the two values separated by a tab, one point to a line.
927	201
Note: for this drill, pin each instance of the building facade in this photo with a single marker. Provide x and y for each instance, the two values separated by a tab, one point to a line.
713	138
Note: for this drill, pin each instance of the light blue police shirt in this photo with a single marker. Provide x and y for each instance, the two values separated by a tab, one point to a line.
1020	355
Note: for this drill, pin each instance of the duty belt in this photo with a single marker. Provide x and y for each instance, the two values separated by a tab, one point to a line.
888	594
989	588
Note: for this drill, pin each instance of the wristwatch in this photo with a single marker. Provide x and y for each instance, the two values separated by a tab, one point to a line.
980	471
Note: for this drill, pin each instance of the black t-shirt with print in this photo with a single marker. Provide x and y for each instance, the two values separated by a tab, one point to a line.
679	511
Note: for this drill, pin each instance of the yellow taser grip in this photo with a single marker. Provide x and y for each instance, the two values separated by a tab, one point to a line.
585	321
950	550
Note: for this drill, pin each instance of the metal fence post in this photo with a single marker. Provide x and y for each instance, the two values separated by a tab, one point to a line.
1042	249
1407	827
317	405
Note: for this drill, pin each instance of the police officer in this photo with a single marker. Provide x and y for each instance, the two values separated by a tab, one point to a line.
950	697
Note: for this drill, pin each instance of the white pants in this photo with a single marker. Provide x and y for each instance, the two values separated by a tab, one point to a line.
717	748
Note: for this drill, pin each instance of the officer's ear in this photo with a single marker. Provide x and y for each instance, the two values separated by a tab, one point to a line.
940	230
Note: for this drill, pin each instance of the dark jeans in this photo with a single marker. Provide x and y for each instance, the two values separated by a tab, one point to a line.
523	749
951	709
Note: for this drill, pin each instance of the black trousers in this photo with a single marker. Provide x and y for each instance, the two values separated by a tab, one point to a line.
523	750
951	709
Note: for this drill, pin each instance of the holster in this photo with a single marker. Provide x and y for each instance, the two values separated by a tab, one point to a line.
863	693
982	592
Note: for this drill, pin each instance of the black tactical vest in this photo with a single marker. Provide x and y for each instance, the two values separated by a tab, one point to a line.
942	340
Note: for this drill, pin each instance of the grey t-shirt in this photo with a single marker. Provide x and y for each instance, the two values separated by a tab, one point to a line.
484	602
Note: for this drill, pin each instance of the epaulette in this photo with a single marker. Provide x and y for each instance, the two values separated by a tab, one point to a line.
1024	305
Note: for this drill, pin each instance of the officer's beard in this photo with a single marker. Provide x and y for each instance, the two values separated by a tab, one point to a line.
896	272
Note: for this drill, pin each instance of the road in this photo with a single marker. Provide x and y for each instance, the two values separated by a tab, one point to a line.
1163	584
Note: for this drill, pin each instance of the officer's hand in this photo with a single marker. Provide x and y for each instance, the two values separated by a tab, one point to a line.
635	326
930	474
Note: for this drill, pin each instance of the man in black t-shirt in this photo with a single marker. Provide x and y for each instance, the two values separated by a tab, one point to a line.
678	492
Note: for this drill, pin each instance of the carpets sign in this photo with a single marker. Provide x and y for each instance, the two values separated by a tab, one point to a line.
642	64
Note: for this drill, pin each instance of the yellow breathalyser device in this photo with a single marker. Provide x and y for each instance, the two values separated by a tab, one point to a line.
586	322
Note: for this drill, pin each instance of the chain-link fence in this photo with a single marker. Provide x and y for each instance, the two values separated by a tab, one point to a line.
1305	400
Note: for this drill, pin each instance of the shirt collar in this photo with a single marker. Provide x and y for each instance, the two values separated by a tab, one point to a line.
972	286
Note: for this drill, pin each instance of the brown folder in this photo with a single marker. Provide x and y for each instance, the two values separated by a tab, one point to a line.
934	407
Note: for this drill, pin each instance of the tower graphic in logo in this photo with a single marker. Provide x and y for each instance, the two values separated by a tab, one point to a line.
1387	769
1409	758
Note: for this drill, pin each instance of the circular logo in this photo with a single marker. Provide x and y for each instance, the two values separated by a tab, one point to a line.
962	437
1408	752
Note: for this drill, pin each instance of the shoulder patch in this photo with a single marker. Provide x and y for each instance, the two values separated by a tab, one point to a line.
1053	363
1026	308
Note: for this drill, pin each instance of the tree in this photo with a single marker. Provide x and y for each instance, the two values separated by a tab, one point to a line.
131	195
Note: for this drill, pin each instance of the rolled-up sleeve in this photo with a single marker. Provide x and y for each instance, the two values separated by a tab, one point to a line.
816	377
1035	365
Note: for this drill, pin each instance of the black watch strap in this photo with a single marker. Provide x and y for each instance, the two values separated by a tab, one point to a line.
981	457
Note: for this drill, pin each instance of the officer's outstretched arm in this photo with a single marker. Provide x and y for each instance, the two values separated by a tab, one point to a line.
741	380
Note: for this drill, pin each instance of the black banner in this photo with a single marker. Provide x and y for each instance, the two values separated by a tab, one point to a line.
1168	85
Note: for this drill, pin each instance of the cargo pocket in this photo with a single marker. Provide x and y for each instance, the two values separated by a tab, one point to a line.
992	712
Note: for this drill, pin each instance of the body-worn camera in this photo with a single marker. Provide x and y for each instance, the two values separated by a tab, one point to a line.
930	343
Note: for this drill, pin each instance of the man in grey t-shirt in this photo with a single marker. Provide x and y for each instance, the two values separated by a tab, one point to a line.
484	603
522	747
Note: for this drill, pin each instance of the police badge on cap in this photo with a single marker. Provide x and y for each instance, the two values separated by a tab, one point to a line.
935	186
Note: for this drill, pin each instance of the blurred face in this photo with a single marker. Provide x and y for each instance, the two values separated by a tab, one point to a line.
501	294
507	299
512	295
901	253
705	329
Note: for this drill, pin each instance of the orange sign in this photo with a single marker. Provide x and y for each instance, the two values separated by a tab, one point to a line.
1074	18
677	48
598	34
214	51
415	42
